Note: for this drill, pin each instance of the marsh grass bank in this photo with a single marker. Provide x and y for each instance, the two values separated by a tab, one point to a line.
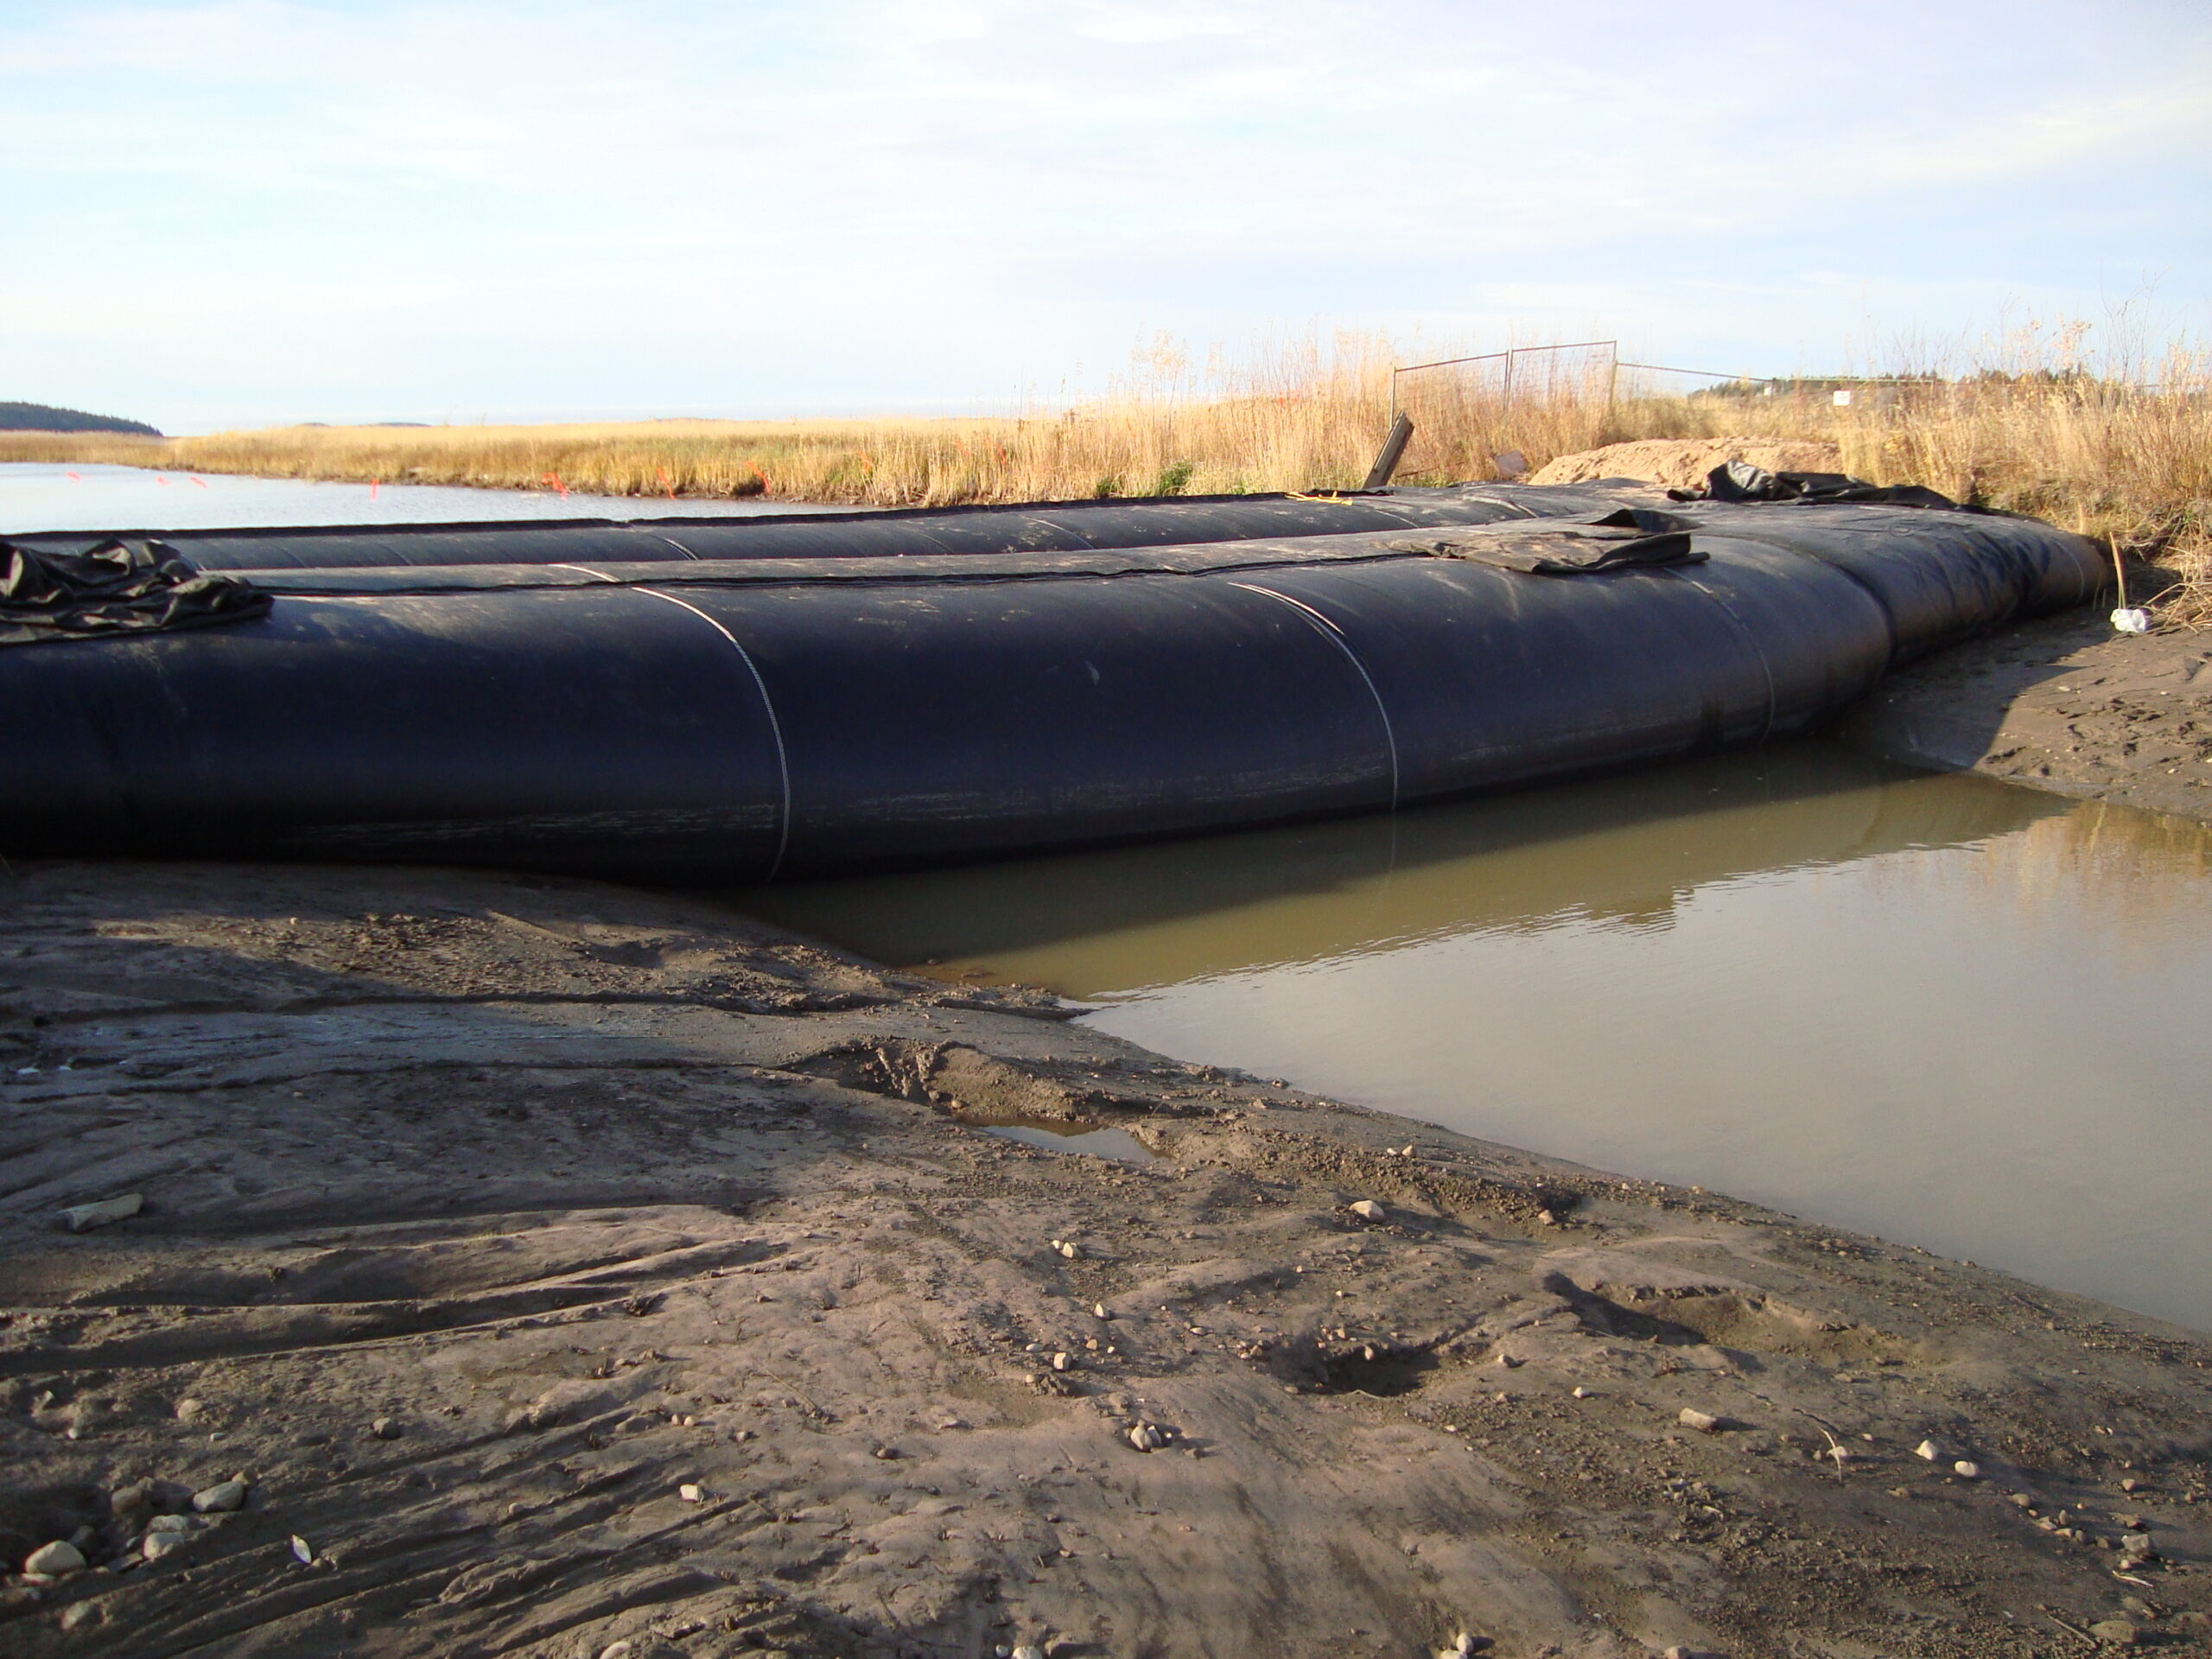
2124	456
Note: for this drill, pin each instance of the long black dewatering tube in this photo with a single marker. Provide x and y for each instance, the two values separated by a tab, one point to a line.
1035	527
731	720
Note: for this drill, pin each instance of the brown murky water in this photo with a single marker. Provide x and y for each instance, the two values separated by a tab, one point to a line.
1938	1009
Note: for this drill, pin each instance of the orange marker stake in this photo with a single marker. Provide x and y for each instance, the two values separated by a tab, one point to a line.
373	483
554	478
667	483
159	480
74	478
201	482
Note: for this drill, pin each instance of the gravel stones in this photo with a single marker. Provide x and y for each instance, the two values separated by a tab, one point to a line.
52	1561
221	1498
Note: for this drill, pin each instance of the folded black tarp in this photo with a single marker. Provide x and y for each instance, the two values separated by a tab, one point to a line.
726	721
115	587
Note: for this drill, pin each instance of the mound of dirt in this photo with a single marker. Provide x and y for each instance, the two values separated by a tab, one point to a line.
1677	463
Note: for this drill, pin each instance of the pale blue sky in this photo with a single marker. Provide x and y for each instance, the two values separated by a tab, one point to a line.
220	212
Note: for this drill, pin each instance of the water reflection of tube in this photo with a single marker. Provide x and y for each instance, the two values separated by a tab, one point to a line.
1624	849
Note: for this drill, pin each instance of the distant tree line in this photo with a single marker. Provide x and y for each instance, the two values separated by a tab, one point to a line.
44	417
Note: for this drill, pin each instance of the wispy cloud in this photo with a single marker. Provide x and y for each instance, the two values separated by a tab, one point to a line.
225	209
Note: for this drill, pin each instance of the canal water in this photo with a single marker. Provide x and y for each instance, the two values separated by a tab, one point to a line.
39	495
1936	1008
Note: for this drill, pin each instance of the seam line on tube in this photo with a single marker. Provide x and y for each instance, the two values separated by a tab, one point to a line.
775	727
677	545
584	569
1335	636
1751	639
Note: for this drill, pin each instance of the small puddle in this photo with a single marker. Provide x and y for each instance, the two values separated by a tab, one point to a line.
1054	1136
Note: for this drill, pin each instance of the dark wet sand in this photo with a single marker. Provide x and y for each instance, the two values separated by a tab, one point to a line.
2063	705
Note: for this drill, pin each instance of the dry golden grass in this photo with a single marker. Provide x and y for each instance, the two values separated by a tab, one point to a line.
2132	467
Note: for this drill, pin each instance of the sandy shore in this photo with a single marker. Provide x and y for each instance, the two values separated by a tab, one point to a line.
560	1266
2063	705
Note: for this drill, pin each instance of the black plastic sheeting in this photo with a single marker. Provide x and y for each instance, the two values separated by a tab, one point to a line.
724	721
115	587
1063	526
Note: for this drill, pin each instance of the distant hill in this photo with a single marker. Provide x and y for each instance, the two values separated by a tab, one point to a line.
43	417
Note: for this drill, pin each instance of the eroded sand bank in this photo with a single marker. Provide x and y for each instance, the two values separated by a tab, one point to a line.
2063	705
562	1264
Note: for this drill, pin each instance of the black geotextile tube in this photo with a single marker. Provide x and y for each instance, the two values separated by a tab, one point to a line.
1054	526
728	721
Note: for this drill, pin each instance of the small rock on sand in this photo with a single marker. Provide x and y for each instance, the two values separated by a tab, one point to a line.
1704	1422
83	1218
1966	1470
692	1493
386	1428
303	1551
1029	1651
128	1500
1929	1450
2114	1632
220	1499
51	1560
1366	1210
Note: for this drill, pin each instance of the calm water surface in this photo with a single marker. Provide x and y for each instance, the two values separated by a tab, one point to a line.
1938	1008
34	495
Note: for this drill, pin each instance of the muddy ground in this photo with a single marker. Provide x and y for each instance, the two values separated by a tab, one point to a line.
562	1265
2063	703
